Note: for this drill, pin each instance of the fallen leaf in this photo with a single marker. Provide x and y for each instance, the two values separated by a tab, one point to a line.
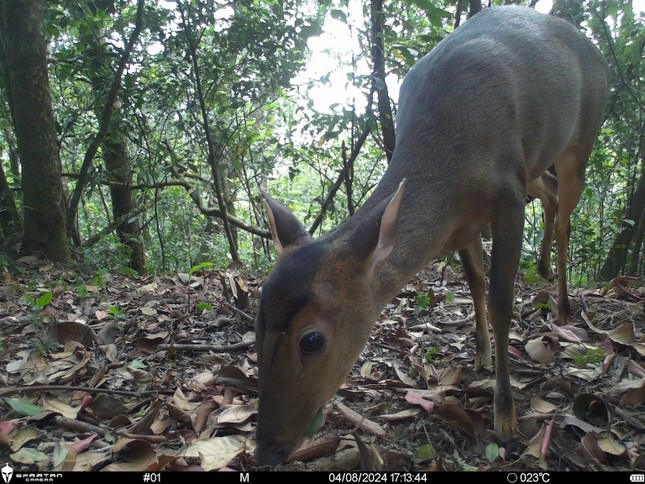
412	396
217	452
542	349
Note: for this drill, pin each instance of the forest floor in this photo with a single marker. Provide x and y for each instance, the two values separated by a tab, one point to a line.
159	373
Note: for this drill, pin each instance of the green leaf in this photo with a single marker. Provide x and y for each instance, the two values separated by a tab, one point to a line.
137	365
24	408
204	306
425	452
45	299
199	267
492	452
116	312
315	424
339	15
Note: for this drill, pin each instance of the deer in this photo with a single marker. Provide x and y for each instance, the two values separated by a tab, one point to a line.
507	105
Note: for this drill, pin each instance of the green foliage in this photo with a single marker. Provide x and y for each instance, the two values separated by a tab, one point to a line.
39	303
593	357
204	306
137	364
199	267
22	407
46	346
430	353
492	452
425	453
265	124
422	304
116	312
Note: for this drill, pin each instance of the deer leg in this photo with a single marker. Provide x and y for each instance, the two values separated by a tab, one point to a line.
473	264
570	166
545	189
507	228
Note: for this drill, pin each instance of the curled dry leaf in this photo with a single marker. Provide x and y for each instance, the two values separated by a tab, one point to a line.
542	349
542	406
570	333
235	414
589	446
415	398
634	396
107	406
468	421
592	408
315	449
371	460
73	331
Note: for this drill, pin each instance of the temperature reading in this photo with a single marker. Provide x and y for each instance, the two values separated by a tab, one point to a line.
528	478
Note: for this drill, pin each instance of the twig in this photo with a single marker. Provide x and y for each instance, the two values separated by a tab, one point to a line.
79	426
245	316
202	347
65	388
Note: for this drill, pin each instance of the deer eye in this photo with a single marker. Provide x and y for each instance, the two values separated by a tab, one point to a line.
311	342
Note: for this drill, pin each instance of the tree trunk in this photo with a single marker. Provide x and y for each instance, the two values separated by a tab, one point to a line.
385	116
115	148
617	256
25	72
10	222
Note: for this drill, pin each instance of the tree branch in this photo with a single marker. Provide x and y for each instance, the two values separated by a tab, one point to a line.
104	121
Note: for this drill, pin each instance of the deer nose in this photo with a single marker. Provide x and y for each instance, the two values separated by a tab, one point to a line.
270	452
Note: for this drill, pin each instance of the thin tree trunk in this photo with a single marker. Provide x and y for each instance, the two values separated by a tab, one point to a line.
213	159
115	148
10	221
385	116
104	120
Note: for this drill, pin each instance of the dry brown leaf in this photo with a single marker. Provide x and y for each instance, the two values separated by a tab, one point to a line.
137	453
569	333
218	452
589	445
465	421
370	458
53	404
542	349
611	446
235	414
542	406
634	396
316	448
592	408
107	406
451	375
415	398
24	435
402	374
202	414
65	331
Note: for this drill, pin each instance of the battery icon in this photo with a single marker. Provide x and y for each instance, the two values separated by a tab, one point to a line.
637	478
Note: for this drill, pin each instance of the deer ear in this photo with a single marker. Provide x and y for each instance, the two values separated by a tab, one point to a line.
374	237
285	228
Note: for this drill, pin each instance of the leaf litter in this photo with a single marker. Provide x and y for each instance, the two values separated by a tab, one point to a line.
159	373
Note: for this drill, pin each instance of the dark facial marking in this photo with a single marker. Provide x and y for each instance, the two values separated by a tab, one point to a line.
289	287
